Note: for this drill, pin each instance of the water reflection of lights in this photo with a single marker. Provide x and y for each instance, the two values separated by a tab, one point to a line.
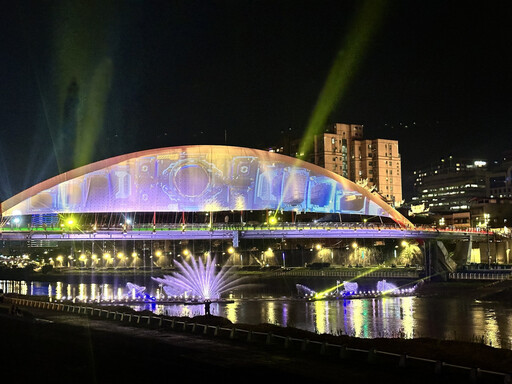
492	331
58	290
82	292
321	316
356	317
407	315
285	315
269	315
94	288
232	311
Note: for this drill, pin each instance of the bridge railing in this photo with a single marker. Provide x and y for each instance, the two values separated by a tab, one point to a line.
237	227
480	276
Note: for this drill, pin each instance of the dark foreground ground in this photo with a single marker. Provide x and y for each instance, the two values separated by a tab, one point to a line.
43	346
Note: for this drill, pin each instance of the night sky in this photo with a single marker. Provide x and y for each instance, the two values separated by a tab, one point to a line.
84	81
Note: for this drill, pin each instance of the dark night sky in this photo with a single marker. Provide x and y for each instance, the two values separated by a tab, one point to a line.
436	76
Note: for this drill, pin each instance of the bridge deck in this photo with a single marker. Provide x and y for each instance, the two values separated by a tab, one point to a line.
204	232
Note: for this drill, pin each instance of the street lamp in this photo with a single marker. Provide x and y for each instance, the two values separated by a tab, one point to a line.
355	246
487	218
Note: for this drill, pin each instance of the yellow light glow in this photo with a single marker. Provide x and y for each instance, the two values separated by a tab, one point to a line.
231	250
134	254
318	247
354	245
272	220
404	243
158	253
186	252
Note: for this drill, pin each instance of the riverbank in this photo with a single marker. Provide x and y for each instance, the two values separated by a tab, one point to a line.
477	289
56	346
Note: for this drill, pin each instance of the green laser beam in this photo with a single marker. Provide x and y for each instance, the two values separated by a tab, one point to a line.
346	63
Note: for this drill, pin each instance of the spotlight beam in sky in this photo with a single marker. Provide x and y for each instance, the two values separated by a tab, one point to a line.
346	63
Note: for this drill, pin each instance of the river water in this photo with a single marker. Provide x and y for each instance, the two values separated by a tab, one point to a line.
405	317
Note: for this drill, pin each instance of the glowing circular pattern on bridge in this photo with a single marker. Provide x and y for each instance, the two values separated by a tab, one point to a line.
199	178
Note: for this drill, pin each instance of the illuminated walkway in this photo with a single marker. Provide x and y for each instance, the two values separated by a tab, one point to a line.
238	232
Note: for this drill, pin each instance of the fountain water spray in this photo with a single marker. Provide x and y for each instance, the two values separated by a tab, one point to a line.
138	292
350	286
304	291
200	279
384	286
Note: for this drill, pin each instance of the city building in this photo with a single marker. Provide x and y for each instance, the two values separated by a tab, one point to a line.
500	177
374	163
451	184
466	193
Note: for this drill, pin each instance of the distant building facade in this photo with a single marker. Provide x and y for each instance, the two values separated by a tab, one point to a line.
451	184
466	193
376	163
500	177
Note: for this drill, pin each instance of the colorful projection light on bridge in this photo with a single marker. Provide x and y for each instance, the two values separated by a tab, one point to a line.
199	179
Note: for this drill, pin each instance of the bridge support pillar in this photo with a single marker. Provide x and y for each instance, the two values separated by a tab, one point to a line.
437	261
236	240
463	251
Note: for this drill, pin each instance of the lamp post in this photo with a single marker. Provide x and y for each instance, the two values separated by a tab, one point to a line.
486	221
355	246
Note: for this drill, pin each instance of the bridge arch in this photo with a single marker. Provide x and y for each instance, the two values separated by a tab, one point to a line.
204	178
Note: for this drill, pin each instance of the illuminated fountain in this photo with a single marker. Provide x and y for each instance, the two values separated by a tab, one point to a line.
137	292
350	286
384	286
351	291
304	291
199	280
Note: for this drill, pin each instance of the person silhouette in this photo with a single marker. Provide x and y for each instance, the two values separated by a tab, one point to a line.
207	307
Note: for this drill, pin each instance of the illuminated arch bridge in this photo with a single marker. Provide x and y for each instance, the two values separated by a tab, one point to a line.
199	179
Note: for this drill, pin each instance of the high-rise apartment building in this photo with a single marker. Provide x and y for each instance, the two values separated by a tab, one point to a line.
342	149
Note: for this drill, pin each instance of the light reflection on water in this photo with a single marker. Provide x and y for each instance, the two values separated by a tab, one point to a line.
405	317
